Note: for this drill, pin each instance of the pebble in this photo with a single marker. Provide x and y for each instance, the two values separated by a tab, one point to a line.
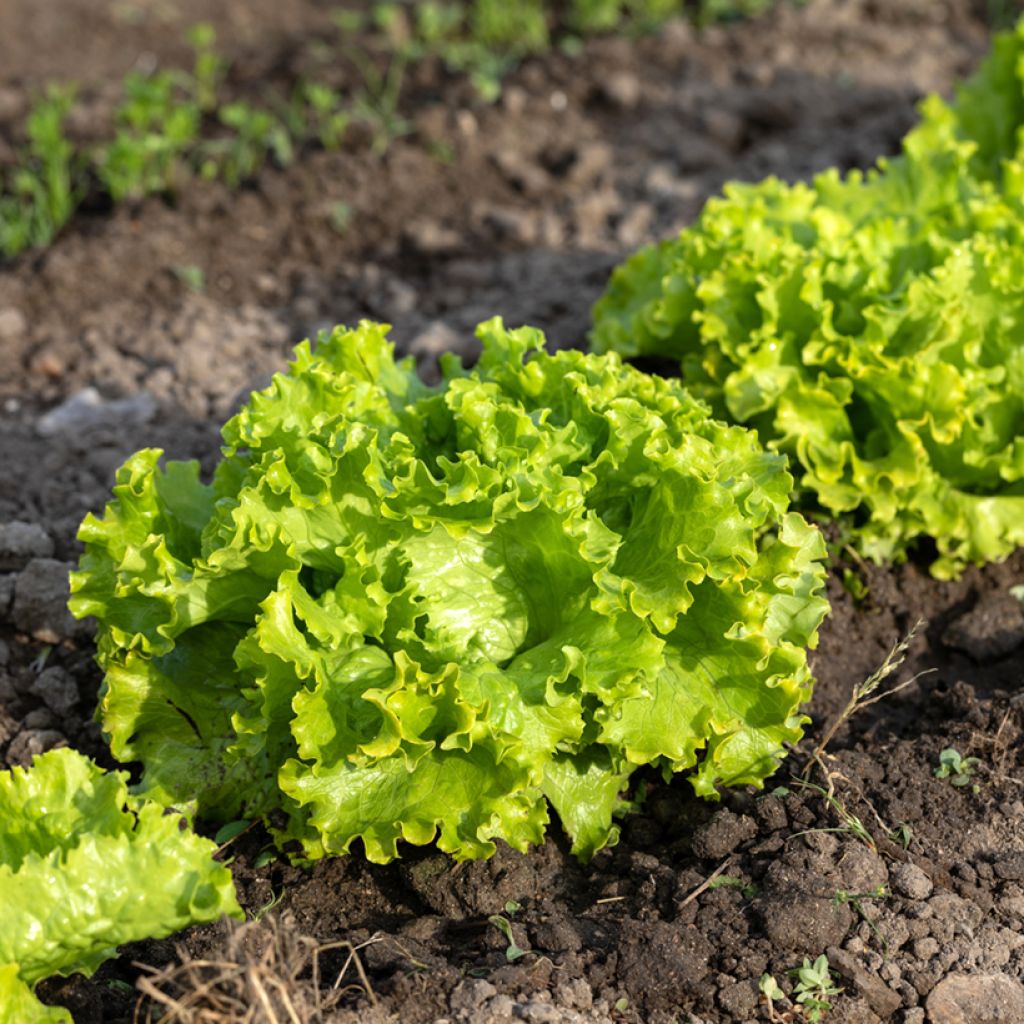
12	323
882	999
976	999
40	602
56	689
910	881
30	742
471	994
623	90
726	128
20	542
87	410
436	338
1010	867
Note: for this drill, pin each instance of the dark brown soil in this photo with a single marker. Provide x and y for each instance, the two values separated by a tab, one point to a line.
521	209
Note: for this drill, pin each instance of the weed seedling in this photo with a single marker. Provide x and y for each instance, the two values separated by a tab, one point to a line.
747	889
959	770
855	900
769	988
191	276
513	952
864	694
849	822
814	987
340	216
902	833
209	67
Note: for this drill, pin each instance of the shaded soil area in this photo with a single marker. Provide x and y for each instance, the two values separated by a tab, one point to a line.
912	886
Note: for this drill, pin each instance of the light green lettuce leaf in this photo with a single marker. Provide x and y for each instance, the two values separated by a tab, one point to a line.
867	327
18	1004
455	602
84	868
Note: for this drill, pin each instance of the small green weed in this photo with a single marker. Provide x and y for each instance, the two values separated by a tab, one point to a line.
814	987
849	822
512	952
747	889
902	833
856	901
958	769
209	67
813	990
191	276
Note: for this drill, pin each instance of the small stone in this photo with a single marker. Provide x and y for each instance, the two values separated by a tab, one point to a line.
882	999
522	173
976	999
87	410
471	994
635	226
56	689
40	602
12	324
48	364
1013	905
8	725
725	127
576	993
39	718
1010	867
31	742
20	542
622	89
436	338
910	881
432	238
915	1015
538	1013
926	948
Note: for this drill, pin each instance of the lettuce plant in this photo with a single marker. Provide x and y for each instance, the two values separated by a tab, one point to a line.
402	612
84	867
868	326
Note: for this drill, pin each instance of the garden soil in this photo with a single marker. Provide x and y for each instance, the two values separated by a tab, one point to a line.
912	886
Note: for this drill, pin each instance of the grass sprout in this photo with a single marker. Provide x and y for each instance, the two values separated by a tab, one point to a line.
869	692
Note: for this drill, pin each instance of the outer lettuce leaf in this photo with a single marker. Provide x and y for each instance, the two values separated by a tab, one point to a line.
19	1006
416	614
868	327
84	867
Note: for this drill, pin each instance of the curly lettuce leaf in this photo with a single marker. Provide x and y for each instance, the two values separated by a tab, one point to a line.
867	327
84	868
422	614
19	1005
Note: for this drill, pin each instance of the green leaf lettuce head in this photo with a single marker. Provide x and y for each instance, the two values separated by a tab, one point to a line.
403	612
868	326
84	867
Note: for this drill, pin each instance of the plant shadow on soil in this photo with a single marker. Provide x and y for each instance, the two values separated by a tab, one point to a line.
650	128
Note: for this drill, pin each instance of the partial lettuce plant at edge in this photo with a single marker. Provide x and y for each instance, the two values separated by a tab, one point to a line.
404	612
84	868
867	326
